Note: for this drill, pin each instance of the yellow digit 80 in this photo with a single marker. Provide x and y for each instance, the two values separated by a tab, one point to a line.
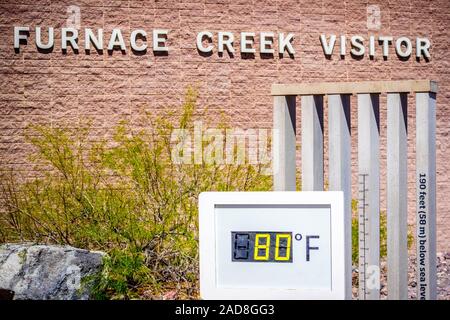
265	246
288	247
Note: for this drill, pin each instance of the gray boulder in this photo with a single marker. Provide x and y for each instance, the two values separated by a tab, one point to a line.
48	272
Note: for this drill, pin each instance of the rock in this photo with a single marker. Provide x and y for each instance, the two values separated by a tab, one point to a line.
48	272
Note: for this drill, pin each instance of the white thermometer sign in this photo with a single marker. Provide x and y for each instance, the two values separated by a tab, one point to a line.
272	245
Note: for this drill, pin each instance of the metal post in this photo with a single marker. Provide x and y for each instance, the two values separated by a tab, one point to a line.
397	191
369	196
339	167
284	144
312	143
426	194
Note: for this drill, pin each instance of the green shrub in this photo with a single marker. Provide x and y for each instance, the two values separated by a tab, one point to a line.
127	198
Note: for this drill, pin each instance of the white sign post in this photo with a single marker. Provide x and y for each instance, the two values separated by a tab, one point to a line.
272	245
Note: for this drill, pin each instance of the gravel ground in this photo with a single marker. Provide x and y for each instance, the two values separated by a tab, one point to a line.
443	278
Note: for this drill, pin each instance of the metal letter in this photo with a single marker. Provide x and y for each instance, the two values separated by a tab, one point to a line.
66	38
228	42
285	43
422	47
18	36
133	43
398	47
50	41
266	42
386	41
358	47
90	37
200	37
247	39
328	48
160	39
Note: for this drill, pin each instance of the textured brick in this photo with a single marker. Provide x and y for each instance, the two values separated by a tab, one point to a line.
105	87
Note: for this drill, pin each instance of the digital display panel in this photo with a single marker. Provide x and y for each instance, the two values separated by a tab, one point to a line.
261	246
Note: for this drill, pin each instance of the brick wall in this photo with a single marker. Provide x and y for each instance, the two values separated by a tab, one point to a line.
55	87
